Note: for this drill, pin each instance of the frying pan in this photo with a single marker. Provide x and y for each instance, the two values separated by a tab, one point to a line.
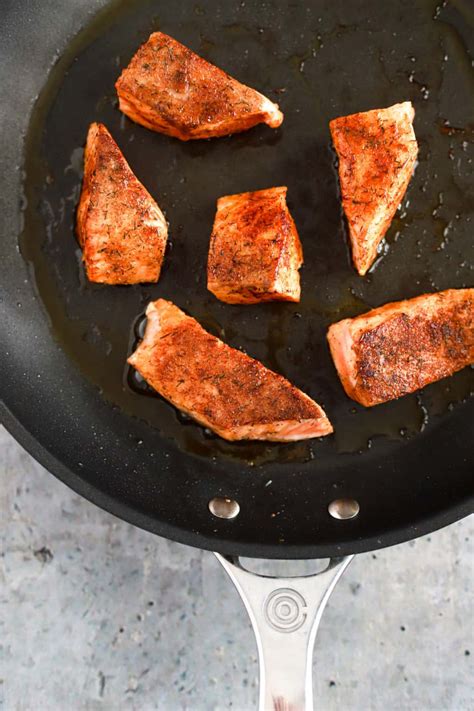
406	466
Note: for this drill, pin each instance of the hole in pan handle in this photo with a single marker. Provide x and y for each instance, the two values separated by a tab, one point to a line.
285	615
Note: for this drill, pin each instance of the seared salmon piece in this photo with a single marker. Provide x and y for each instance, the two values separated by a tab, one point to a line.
377	153
255	251
220	387
170	89
120	227
403	346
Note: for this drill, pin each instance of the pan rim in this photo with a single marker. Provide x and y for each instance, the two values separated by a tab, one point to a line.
286	551
445	512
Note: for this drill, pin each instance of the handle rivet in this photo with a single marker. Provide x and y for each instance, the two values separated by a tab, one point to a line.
222	507
344	509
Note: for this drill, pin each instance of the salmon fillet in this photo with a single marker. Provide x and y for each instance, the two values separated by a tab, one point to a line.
220	387
403	346
255	251
120	227
377	152
170	89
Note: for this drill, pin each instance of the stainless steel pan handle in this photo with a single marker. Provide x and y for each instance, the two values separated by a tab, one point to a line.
285	615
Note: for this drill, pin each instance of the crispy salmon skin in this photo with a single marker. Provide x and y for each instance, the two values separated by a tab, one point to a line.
220	387
377	153
255	251
170	89
403	346
121	229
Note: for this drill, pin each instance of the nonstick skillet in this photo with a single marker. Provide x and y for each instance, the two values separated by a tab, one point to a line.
406	467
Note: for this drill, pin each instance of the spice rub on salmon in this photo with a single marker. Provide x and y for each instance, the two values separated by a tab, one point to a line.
377	153
219	386
403	346
255	251
121	229
170	89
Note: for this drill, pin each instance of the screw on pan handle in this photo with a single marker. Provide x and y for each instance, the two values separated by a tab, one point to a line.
285	615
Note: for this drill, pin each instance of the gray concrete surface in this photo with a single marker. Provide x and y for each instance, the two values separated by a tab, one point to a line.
97	615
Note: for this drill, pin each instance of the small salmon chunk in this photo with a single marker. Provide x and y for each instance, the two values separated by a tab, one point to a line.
401	347
377	153
220	387
255	251
120	227
170	89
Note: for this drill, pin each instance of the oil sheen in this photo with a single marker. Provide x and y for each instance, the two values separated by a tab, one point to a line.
428	247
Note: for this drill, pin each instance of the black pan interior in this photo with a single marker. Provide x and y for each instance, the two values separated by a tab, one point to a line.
408	463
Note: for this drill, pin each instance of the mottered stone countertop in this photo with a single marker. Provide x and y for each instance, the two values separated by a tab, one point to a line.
98	615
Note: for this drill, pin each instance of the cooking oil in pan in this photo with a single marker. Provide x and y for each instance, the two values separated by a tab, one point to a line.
317	73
